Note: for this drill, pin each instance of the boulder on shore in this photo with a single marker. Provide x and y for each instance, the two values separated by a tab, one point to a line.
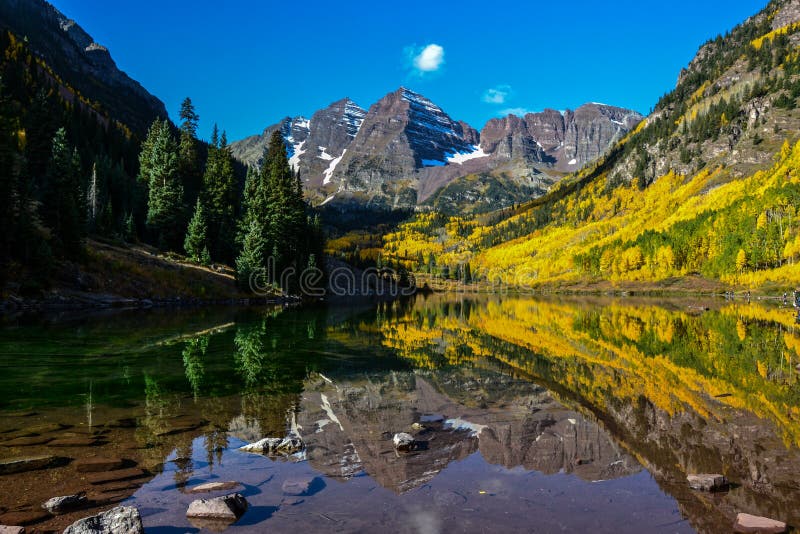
288	445
752	524
119	520
707	482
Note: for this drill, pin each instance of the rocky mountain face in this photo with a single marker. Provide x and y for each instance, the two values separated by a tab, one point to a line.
348	426
728	70
568	140
80	62
405	149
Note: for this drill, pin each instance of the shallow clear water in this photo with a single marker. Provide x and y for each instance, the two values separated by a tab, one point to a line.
534	415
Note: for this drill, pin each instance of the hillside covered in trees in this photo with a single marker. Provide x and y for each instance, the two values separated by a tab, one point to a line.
706	186
70	171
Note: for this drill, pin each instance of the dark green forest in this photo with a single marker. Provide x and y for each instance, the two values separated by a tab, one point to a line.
71	173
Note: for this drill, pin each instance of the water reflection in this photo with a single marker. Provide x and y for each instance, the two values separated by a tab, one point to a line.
582	391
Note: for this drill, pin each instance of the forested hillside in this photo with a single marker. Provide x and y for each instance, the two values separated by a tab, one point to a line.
72	172
708	185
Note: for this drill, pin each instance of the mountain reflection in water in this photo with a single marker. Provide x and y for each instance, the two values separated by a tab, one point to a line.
533	414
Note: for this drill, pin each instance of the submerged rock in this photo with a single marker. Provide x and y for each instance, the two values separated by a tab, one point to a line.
747	523
403	441
217	513
31	463
60	505
116	475
707	482
297	486
22	518
119	520
100	464
213	486
287	445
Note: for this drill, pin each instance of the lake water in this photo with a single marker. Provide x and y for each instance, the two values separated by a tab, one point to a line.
555	415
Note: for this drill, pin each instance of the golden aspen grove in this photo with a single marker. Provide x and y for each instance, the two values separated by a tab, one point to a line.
704	187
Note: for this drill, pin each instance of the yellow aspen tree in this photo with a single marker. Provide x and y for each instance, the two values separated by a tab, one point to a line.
741	260
762	221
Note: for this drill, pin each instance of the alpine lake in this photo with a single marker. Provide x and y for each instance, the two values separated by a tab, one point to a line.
529	414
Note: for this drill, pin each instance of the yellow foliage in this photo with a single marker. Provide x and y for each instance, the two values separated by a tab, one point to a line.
608	352
759	42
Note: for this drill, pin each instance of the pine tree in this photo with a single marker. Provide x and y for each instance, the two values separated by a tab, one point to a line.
63	206
197	234
158	164
274	220
220	194
251	258
188	153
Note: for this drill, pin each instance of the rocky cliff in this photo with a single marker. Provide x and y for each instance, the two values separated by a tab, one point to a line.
348	428
405	149
84	65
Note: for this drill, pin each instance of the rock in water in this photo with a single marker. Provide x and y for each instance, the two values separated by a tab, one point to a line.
217	513
60	505
297	486
403	441
119	520
761	525
707	482
213	486
99	464
287	445
30	463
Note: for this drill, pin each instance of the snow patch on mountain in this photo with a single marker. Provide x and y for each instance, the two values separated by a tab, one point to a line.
429	115
297	151
323	154
332	167
461	157
353	117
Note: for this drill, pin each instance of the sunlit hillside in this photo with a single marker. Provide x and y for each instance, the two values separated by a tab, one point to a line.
707	185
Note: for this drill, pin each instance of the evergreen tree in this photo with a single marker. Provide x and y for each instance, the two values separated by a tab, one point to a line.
221	196
251	258
10	169
63	206
188	153
274	220
158	163
197	235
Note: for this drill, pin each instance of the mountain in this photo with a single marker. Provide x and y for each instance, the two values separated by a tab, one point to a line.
81	64
405	149
705	192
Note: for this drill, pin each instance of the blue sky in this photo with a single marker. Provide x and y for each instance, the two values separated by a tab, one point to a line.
247	64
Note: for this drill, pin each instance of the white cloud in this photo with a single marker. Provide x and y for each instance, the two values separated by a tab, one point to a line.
428	59
519	112
497	95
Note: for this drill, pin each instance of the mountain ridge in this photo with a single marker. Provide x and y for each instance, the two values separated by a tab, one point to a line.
405	148
706	188
85	65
